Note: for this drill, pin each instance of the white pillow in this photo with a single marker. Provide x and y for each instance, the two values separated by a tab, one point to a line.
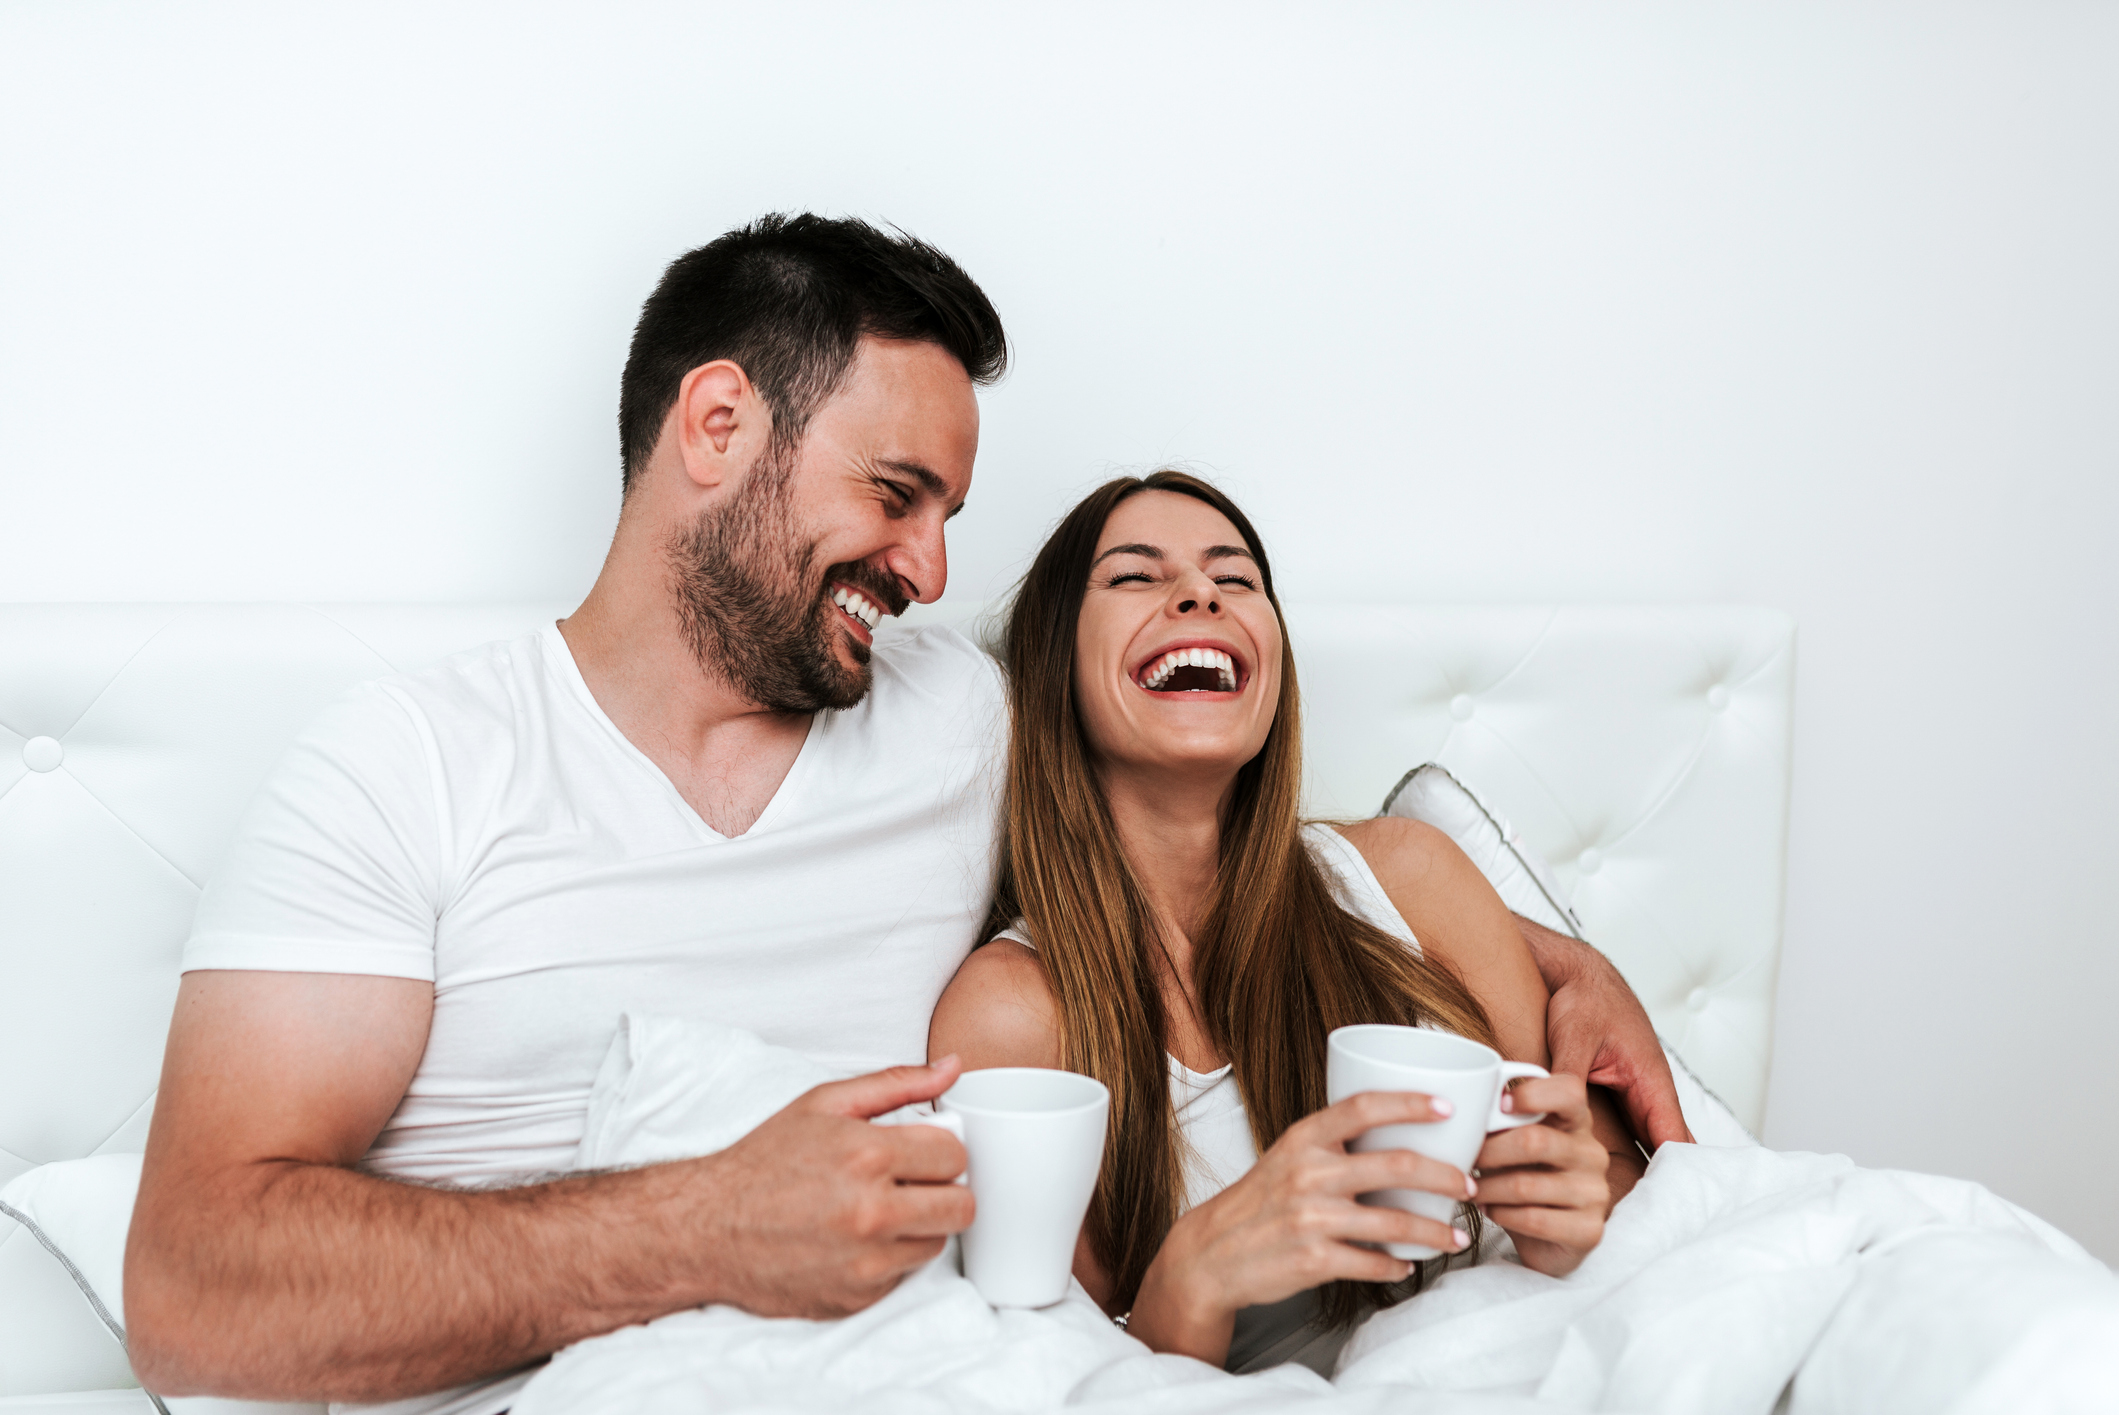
80	1210
1428	793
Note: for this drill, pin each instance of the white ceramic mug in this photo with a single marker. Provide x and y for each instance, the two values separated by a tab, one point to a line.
1036	1140
1380	1057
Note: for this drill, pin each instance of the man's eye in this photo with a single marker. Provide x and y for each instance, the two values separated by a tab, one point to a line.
1116	580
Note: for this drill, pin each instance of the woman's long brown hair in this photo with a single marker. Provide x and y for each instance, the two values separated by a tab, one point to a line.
1276	966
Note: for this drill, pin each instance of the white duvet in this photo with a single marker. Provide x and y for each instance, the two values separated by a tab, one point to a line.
1731	1280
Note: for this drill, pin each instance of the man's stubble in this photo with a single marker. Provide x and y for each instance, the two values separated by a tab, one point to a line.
756	609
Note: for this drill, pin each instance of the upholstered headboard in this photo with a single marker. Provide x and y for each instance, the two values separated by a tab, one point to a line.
1643	751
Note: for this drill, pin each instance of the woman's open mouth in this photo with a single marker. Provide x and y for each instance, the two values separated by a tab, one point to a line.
1191	669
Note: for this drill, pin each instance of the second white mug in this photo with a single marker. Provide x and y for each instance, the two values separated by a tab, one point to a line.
1470	1076
1036	1141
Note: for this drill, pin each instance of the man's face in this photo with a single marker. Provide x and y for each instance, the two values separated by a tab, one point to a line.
779	586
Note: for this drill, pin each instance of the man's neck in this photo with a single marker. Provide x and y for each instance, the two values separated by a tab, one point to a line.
725	755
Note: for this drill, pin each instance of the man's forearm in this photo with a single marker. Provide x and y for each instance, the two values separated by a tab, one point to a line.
304	1281
1597	1029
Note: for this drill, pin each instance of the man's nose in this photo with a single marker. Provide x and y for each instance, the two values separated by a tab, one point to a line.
920	563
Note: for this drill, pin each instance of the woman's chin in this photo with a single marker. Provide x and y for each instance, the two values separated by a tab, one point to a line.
1188	758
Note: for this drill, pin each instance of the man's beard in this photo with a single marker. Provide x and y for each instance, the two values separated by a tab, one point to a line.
757	615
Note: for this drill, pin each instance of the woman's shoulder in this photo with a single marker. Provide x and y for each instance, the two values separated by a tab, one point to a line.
1400	851
998	1010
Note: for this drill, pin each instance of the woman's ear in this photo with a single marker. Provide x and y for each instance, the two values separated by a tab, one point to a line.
721	423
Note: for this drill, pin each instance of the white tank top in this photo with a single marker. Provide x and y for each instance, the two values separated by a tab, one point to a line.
1217	1131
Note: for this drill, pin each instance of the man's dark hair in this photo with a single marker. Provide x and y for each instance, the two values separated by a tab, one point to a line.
787	299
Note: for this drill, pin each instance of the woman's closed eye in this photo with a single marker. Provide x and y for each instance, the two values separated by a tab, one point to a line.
1119	579
1245	580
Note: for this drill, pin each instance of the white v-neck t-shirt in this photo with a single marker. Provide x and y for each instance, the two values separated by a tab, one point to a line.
484	826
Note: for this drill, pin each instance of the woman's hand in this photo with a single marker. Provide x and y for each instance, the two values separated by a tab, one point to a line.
1290	1225
1545	1184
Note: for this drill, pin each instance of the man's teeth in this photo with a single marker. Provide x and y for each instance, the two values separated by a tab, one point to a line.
1158	672
854	603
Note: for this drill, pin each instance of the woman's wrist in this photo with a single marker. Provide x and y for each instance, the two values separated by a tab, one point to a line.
1177	1312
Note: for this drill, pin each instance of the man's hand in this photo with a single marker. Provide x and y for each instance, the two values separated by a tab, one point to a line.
1597	1029
817	1213
261	1263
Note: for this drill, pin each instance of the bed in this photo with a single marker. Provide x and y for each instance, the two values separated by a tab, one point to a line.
1642	751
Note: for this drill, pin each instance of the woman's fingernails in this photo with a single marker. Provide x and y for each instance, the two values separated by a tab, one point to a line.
1462	1238
1508	1102
1440	1106
1471	1188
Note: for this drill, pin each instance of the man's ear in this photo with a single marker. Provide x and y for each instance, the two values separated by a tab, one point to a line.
721	424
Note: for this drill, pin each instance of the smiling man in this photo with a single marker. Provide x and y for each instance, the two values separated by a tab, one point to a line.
711	791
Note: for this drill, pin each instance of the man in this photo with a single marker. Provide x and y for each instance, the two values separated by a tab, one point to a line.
710	791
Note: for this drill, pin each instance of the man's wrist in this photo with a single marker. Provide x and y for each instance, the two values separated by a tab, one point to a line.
1560	958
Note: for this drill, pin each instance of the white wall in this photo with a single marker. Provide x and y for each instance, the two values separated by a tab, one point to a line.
1807	307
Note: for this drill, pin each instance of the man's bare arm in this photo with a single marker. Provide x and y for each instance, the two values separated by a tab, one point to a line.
260	1264
1597	1029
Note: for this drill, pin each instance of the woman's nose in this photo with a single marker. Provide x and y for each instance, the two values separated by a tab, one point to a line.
1191	602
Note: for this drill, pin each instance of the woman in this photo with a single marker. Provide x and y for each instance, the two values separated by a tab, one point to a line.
1166	924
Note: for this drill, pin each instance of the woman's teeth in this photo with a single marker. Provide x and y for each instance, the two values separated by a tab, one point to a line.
855	604
1157	673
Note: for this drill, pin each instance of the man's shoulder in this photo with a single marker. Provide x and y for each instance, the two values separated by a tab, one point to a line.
470	696
935	660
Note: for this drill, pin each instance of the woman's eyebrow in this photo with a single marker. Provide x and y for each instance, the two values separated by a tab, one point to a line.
1224	552
1153	552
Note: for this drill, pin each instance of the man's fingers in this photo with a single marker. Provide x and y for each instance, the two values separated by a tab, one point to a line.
923	1154
881	1092
931	1211
1652	1106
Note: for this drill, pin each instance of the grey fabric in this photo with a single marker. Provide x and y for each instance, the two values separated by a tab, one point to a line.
117	1328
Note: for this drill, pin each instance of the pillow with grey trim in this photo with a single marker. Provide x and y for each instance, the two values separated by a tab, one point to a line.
80	1210
1430	794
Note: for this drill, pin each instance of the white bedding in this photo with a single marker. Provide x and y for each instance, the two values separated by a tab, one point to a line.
1732	1280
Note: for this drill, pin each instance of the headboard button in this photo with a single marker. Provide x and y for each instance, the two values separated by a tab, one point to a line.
1590	860
1696	1000
43	754
1718	697
1460	707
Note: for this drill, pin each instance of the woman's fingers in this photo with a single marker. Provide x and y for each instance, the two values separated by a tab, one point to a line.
1552	1188
1576	1229
1357	1115
1540	1144
1381	1225
1563	1098
1397	1169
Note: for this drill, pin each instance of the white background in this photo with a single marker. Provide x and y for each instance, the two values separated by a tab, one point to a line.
1815	308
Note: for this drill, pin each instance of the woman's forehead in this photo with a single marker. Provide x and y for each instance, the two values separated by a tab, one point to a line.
1179	526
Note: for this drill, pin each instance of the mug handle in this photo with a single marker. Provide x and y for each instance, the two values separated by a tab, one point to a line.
1504	1120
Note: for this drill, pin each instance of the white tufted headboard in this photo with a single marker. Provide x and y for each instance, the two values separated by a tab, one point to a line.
1643	751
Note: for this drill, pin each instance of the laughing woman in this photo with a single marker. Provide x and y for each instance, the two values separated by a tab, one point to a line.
1167	924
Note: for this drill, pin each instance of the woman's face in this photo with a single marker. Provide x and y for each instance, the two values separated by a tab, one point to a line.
1177	655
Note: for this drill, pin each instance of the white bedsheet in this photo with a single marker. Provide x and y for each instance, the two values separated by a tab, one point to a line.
1730	1281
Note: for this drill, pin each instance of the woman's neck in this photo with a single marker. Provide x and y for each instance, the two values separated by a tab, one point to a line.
1170	830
